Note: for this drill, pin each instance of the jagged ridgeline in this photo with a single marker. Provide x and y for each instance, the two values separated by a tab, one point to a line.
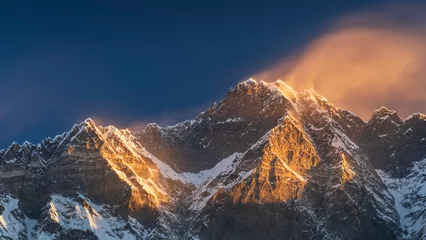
266	162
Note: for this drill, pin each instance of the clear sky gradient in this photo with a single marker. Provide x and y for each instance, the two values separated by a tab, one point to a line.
130	62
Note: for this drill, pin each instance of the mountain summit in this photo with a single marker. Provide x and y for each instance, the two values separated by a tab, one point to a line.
266	162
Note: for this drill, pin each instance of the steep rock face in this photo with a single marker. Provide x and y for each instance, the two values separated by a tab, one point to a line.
13	165
282	172
397	150
378	136
266	162
267	195
248	111
361	203
410	195
309	181
412	144
392	144
99	163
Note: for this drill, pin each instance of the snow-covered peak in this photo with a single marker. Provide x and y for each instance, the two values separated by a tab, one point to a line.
86	126
88	123
384	114
78	128
27	144
419	116
15	147
249	81
152	126
282	88
384	109
276	87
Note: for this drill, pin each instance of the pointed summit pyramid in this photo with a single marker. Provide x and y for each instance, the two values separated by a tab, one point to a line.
384	115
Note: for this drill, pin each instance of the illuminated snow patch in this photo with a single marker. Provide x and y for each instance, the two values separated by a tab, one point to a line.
11	226
83	214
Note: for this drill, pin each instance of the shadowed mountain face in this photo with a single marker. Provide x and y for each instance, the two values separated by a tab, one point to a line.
246	114
392	144
266	162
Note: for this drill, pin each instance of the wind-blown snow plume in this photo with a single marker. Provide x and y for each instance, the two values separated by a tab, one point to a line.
364	61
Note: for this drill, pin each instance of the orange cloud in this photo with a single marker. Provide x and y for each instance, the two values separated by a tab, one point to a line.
364	61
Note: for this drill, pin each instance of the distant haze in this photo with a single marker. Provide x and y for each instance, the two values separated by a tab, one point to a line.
364	61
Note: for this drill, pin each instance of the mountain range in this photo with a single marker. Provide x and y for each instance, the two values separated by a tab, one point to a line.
266	162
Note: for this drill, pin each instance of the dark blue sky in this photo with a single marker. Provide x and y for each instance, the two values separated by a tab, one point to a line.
132	62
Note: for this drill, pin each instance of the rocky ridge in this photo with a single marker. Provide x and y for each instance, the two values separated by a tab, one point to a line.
266	162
